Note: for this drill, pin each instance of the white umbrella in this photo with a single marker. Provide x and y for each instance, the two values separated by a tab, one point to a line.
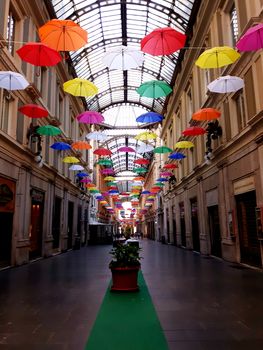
226	84
123	58
76	167
12	81
96	135
145	148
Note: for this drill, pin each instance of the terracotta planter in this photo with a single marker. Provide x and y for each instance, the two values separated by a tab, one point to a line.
125	278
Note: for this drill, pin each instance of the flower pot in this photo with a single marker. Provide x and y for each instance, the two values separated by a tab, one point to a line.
125	278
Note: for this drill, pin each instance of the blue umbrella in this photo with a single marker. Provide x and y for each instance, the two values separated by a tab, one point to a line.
177	155
162	179
82	174
146	192
113	191
60	146
149	117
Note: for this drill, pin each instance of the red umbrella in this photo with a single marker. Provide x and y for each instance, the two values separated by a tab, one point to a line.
206	114
141	161
170	166
163	41
102	152
194	131
33	111
39	54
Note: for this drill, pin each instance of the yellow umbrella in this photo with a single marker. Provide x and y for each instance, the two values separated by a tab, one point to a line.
147	135
70	160
184	144
80	87
217	57
109	178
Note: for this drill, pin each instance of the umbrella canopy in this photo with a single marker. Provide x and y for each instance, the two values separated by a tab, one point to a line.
154	89
109	178
146	192
80	87
141	161
91	185
123	58
102	152
60	146
107	171
162	149
63	35
184	144
145	148
170	166
177	156
90	117
139	178
226	84
70	160
163	41
162	179
48	130
194	131
105	162
76	167
150	117
217	57
39	54
125	149
12	81
145	136
82	174
140	170
33	111
96	135
166	173
206	114
81	145
252	40
85	180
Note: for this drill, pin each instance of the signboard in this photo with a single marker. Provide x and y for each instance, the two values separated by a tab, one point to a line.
7	195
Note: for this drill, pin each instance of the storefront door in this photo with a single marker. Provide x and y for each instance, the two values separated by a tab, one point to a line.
56	223
35	236
195	226
70	223
214	228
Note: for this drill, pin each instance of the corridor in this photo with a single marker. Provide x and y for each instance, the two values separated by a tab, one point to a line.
202	303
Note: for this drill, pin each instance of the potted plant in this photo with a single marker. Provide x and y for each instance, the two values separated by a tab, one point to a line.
124	267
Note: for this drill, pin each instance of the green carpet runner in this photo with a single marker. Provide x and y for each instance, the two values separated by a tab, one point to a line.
127	321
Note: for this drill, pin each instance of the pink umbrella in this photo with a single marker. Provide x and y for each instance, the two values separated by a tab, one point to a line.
90	117
252	40
86	180
107	171
166	173
126	149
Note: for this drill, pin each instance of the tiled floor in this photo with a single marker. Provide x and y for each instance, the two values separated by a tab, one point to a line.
202	303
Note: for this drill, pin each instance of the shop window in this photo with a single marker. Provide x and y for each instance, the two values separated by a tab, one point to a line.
234	25
10	32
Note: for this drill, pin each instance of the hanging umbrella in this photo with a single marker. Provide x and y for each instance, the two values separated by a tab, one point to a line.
206	114
60	146
163	41
160	184
48	130
80	87
217	57
125	149
140	170
70	160
123	58
166	173
81	145
145	136
111	183
150	117
154	89
252	40
76	167
12	81
90	117
109	178
91	185
39	54
33	111
162	149
85	180
170	166
146	192
184	144
226	84
139	178
82	174
194	131
145	148
141	161
105	162
102	152
63	35
107	171
97	136
177	156
162	179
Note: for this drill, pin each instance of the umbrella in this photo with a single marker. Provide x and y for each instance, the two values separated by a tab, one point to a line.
70	160
177	156
163	41
226	84
97	136
139	178
154	89
144	148
63	35
81	145
85	180
82	174
160	184
162	149
33	111
60	146
166	173
80	87
76	167
126	149
145	136
206	114
162	179
107	171
12	81
194	131
39	54
91	185
90	117
123	58
170	166
217	57
109	178
140	170
141	161
146	192
105	162
184	144
102	152
110	183
150	117
252	40
48	130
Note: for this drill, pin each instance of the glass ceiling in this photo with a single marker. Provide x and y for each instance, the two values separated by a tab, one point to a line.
111	23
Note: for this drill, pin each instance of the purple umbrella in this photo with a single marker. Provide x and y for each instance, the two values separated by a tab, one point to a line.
86	180
90	117
126	149
107	171
252	40
166	173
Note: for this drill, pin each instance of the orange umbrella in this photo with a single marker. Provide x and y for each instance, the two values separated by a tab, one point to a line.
90	185
139	178
81	145
63	35
206	114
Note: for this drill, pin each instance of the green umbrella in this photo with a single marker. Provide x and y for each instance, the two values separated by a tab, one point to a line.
111	183
154	89
48	130
94	191
140	170
159	184
105	162
162	149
